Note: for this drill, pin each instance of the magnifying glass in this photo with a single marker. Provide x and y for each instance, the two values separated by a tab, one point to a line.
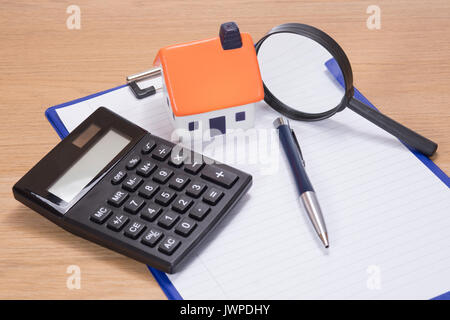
292	57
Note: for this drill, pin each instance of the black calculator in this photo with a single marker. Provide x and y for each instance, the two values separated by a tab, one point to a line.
113	183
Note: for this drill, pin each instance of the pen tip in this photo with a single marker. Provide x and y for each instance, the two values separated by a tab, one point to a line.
324	238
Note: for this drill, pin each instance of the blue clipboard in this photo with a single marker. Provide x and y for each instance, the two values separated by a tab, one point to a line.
166	285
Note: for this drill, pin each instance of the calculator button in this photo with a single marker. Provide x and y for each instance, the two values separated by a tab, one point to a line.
132	182
168	220
134	229
145	168
162	175
194	167
101	214
148	189
165	196
118	177
148	146
169	245
152	237
178	182
161	152
133	162
195	189
199	211
177	159
212	196
181	204
118	198
134	205
220	176
185	227
117	222
151	212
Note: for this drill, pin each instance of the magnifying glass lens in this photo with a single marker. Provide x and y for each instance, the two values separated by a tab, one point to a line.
293	70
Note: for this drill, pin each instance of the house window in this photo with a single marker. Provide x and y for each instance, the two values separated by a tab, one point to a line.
240	116
193	125
217	126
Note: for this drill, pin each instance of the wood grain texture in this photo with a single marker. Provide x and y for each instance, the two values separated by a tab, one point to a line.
404	69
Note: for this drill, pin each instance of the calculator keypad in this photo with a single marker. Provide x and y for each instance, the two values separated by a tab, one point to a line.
162	202
149	176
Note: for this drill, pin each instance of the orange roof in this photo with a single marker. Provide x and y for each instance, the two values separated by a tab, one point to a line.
201	76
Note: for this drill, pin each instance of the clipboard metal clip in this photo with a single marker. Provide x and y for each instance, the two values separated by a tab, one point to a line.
140	92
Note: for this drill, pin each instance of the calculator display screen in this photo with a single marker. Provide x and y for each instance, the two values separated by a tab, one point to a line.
89	165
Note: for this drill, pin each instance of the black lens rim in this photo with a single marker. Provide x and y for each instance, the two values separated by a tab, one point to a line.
333	48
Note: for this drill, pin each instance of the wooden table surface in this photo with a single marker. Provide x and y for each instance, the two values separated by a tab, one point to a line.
403	68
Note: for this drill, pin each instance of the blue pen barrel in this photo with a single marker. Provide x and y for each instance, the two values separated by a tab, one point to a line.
295	160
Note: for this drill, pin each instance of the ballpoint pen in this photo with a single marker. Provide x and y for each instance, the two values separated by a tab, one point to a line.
307	195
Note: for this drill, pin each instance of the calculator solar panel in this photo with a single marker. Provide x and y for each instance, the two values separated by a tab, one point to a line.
155	204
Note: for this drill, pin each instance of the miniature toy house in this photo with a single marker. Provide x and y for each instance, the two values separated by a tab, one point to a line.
212	84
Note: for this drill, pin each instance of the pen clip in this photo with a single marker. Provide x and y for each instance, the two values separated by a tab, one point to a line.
298	146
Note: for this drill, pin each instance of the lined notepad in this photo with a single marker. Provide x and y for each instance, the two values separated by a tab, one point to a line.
387	214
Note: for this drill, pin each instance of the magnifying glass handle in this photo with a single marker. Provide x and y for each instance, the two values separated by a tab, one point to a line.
411	138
